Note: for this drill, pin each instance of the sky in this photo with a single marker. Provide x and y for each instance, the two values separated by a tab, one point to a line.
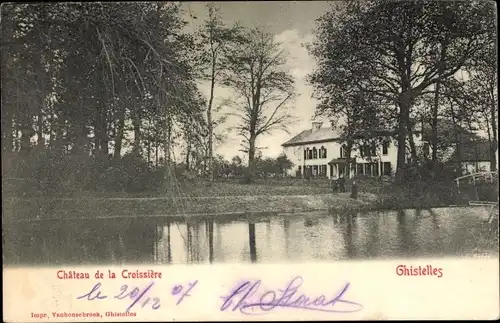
292	23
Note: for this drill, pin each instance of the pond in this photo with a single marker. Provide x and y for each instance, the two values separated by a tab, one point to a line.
440	232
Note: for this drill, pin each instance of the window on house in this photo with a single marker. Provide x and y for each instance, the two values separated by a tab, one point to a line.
305	154
342	152
359	169
387	168
385	147
368	150
315	153
322	152
375	169
309	154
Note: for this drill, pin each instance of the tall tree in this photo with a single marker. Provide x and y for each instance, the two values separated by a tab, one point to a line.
263	89
86	71
402	48
483	83
216	41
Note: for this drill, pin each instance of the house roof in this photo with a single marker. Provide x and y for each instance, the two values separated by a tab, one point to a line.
328	134
472	152
313	136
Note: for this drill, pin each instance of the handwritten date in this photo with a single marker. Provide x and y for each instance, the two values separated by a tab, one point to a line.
138	296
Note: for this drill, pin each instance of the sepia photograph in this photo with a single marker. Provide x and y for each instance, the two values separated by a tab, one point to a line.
252	132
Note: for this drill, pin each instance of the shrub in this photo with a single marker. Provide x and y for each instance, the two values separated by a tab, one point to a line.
113	179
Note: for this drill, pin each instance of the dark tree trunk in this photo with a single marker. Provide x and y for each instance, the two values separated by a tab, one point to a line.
413	148
104	135
58	141
119	133
7	129
348	163
458	142
209	120
136	123
39	129
168	139
494	142
188	154
401	153
97	136
434	125
156	154
251	158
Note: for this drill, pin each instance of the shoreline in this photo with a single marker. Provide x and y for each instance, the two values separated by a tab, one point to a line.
20	210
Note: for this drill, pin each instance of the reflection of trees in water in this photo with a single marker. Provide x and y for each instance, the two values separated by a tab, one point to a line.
210	235
26	243
251	240
347	222
347	232
286	230
163	242
139	240
268	234
189	243
194	243
220	254
88	242
372	246
406	241
169	244
437	236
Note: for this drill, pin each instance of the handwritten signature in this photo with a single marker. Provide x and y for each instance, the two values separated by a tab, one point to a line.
248	299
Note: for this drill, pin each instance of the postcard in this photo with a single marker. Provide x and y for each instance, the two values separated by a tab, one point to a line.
249	161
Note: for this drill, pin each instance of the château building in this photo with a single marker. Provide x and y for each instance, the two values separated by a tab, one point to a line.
320	152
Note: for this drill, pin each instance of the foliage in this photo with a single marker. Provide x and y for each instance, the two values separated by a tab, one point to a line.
80	78
392	53
216	41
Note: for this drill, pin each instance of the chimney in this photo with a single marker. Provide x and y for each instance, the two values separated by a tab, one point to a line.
316	125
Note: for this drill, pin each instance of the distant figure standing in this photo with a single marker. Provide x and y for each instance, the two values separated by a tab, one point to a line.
335	187
342	184
354	190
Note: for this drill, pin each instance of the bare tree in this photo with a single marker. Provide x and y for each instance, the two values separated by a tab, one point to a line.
216	41
263	89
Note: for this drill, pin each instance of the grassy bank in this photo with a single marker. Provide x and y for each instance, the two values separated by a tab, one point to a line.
19	209
212	199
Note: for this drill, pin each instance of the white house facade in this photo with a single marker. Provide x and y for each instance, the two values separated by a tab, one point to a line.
320	153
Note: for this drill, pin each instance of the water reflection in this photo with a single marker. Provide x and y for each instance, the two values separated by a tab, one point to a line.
311	237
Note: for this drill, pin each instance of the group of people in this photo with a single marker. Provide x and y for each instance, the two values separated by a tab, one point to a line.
339	186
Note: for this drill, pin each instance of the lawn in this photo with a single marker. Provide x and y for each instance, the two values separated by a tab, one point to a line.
220	197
